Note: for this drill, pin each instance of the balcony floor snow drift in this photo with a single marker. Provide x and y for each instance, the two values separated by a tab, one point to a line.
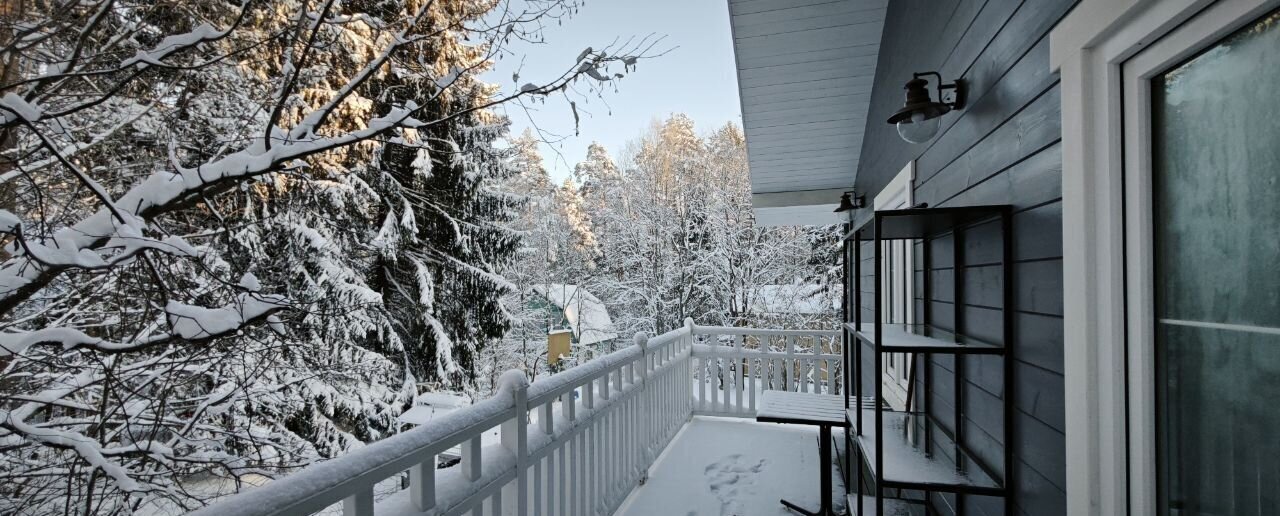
732	466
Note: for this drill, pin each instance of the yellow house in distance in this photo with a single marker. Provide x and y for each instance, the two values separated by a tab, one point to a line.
574	317
558	345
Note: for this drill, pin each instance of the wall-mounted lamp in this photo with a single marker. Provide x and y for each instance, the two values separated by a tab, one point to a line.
917	121
849	203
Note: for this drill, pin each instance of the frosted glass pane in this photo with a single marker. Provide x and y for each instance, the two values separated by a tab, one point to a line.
1216	135
1220	428
1217	130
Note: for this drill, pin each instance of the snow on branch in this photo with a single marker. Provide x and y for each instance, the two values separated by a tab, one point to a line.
196	322
188	323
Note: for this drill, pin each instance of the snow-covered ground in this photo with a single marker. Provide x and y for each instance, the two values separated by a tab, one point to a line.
733	467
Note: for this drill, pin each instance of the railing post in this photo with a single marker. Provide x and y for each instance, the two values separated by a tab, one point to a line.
515	434
751	370
642	341
359	504
693	370
604	385
789	363
617	379
546	419
471	458
422	484
738	372
570	406
818	363
717	383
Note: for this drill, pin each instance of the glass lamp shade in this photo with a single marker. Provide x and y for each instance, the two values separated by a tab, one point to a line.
919	128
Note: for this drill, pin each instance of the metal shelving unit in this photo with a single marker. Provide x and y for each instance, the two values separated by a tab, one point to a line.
912	451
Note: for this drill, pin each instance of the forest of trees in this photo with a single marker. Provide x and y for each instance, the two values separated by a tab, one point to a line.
240	237
665	233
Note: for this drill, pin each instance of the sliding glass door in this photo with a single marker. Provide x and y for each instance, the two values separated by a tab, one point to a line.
1215	189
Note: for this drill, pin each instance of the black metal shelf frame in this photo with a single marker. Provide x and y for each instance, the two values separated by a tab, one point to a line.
924	340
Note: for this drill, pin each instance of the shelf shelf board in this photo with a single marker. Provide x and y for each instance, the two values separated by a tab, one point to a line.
892	506
907	467
913	223
868	402
801	408
918	338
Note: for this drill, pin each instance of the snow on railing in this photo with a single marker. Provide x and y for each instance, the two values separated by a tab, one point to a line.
598	428
732	365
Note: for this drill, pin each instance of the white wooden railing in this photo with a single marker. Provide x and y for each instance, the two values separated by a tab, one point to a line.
732	365
597	429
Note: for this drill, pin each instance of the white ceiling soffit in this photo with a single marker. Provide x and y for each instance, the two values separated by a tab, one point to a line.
805	71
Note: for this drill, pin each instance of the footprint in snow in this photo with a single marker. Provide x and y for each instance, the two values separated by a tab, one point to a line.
729	477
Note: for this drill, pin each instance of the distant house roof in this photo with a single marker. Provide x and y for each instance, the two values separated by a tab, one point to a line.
586	314
792	299
430	405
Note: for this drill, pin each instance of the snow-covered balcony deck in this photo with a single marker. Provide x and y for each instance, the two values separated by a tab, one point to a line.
629	433
726	467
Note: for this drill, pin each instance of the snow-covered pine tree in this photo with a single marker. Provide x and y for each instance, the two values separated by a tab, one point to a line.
598	178
582	246
607	196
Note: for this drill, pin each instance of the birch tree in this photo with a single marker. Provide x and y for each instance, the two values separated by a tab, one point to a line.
679	239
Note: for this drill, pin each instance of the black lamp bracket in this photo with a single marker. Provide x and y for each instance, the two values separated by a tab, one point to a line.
957	90
859	201
850	201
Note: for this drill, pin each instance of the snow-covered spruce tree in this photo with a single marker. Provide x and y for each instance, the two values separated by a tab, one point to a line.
443	284
582	247
190	232
597	172
557	247
530	185
606	199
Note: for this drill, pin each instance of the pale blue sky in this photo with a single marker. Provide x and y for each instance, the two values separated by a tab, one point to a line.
696	78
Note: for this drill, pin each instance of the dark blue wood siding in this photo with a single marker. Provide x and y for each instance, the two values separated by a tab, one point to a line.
1003	148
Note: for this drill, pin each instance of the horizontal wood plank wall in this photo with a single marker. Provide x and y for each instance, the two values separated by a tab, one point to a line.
1004	147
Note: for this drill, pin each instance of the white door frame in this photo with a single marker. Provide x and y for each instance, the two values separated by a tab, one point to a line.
1109	371
896	195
